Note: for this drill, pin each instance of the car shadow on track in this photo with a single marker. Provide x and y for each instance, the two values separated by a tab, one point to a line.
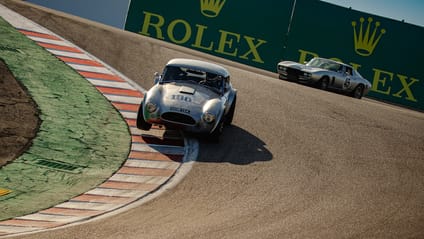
236	146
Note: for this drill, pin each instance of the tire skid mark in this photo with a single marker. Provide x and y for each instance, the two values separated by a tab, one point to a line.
153	158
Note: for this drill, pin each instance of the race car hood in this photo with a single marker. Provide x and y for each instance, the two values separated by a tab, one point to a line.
298	66
184	97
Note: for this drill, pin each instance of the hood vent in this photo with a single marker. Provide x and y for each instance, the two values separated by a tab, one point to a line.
187	90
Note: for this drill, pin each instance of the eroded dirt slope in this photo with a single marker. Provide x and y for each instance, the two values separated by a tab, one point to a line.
18	117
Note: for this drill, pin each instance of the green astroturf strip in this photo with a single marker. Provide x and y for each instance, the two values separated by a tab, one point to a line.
82	139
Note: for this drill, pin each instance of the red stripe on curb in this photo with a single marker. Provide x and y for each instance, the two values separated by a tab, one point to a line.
58	47
155	156
147	171
38	34
129	185
126	107
116	91
100	76
131	122
79	61
31	223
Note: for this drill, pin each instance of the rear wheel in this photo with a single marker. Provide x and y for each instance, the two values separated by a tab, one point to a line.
141	123
358	92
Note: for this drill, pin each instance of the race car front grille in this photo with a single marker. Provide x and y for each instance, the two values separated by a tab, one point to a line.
179	118
293	74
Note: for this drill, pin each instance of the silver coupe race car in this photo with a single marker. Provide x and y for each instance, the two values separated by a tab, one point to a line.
191	95
327	74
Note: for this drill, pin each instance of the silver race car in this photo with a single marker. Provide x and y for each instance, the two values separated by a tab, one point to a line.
327	74
191	95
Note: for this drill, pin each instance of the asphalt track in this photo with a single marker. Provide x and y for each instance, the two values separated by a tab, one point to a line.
297	163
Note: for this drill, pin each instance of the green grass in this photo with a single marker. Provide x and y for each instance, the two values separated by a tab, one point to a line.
82	139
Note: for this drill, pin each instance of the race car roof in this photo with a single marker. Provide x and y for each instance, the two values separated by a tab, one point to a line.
199	65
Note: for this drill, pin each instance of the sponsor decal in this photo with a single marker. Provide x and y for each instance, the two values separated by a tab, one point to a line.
183	32
365	39
211	8
181	110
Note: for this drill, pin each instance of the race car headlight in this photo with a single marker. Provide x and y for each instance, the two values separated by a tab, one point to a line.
208	117
151	107
283	68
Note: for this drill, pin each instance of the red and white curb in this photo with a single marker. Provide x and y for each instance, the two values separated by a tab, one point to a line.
154	157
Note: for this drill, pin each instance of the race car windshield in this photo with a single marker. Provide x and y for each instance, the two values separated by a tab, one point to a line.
324	64
194	76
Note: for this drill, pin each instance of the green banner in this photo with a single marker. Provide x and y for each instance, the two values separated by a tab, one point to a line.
384	51
235	30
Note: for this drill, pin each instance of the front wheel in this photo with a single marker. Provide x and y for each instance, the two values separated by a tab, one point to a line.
141	123
323	84
230	115
358	92
216	133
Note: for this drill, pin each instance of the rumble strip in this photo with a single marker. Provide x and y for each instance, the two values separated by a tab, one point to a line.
152	161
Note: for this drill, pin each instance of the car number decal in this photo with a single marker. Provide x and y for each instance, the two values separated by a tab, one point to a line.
346	83
181	98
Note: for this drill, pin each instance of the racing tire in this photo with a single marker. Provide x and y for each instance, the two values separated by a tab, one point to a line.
358	92
217	132
323	83
141	123
230	115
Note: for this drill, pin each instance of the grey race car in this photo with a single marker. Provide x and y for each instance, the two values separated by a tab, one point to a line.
327	74
191	95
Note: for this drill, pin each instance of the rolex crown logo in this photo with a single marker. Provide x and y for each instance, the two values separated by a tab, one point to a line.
211	8
365	41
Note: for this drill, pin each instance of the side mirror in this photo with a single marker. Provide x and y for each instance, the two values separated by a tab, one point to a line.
156	77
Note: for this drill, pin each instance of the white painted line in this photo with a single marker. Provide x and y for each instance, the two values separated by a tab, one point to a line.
128	115
151	164
50	41
19	21
89	206
123	99
163	149
95	69
69	54
139	179
51	218
113	84
16	229
109	192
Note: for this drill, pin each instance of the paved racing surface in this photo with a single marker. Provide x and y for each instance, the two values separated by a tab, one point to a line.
297	163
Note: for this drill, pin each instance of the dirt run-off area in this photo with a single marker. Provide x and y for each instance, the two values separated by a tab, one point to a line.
19	119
